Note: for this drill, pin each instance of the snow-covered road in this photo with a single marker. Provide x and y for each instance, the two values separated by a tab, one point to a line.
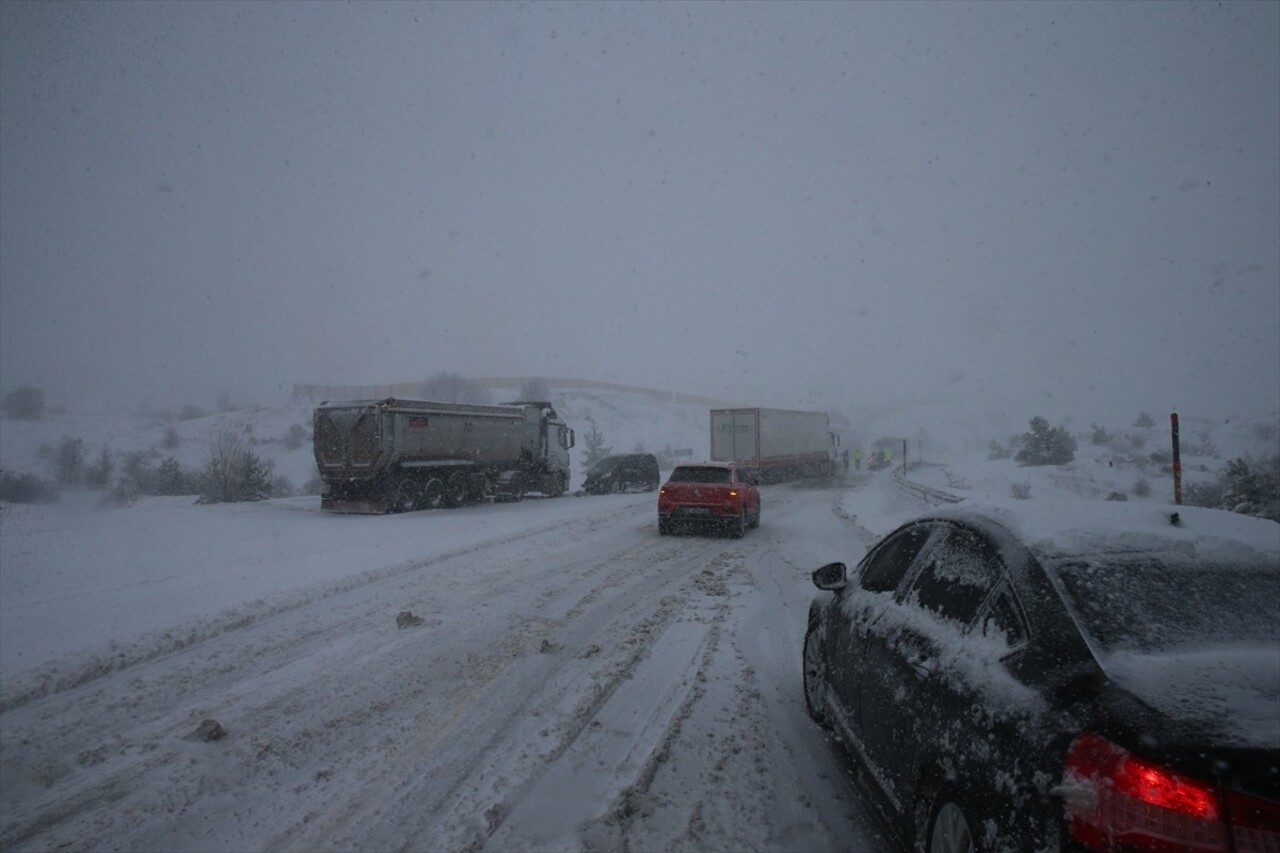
576	682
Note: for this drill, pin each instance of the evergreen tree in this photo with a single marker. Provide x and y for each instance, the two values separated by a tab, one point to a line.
254	480
170	479
1045	445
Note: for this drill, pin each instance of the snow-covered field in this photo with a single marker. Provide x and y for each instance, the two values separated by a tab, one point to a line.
549	674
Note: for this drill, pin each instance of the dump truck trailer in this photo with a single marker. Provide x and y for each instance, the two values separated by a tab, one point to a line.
392	455
778	444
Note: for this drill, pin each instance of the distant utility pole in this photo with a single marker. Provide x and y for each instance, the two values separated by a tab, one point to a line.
1177	460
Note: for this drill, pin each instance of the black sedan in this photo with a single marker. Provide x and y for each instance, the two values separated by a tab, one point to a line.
1040	676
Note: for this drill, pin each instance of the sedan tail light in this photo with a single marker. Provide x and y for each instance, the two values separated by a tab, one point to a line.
1118	801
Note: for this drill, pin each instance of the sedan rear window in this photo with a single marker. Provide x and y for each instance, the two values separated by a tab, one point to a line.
1144	605
700	474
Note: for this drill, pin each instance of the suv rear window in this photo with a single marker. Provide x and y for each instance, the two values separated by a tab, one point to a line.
700	474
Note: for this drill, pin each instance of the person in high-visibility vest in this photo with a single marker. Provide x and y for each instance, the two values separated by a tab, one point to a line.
857	458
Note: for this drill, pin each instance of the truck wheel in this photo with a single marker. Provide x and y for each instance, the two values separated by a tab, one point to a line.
433	494
557	485
408	495
517	487
455	491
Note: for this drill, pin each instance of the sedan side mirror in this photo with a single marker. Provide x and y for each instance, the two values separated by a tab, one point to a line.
830	577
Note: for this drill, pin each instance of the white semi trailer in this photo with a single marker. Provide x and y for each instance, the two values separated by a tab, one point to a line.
779	444
396	455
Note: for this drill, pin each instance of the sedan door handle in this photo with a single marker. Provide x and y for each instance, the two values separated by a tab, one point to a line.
921	663
924	669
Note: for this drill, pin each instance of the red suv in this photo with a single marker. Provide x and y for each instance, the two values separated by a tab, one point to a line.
719	494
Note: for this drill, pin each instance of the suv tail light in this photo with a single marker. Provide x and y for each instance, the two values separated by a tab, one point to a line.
1118	801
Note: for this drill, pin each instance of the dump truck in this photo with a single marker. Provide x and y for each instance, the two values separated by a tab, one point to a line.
392	455
776	444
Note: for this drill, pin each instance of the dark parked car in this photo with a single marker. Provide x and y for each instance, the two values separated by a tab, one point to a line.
1042	676
709	494
622	473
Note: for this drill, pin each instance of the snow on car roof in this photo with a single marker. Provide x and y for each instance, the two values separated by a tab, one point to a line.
1054	528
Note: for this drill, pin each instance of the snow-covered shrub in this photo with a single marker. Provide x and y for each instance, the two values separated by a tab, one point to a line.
1246	486
1141	487
1253	487
26	489
1020	491
234	473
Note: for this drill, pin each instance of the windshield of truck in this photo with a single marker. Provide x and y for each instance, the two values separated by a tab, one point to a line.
701	474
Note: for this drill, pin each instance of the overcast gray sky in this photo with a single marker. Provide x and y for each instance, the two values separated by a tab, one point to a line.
846	205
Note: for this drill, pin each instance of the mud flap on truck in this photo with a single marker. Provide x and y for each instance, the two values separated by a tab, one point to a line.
510	486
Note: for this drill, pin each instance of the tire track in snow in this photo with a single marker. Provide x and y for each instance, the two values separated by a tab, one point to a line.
270	680
521	708
69	674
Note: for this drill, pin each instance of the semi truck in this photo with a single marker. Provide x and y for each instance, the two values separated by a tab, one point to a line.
392	455
777	444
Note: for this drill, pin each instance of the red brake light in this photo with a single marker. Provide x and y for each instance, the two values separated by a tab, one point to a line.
1115	800
1165	789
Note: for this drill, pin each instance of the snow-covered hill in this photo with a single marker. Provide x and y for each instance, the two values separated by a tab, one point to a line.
944	433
